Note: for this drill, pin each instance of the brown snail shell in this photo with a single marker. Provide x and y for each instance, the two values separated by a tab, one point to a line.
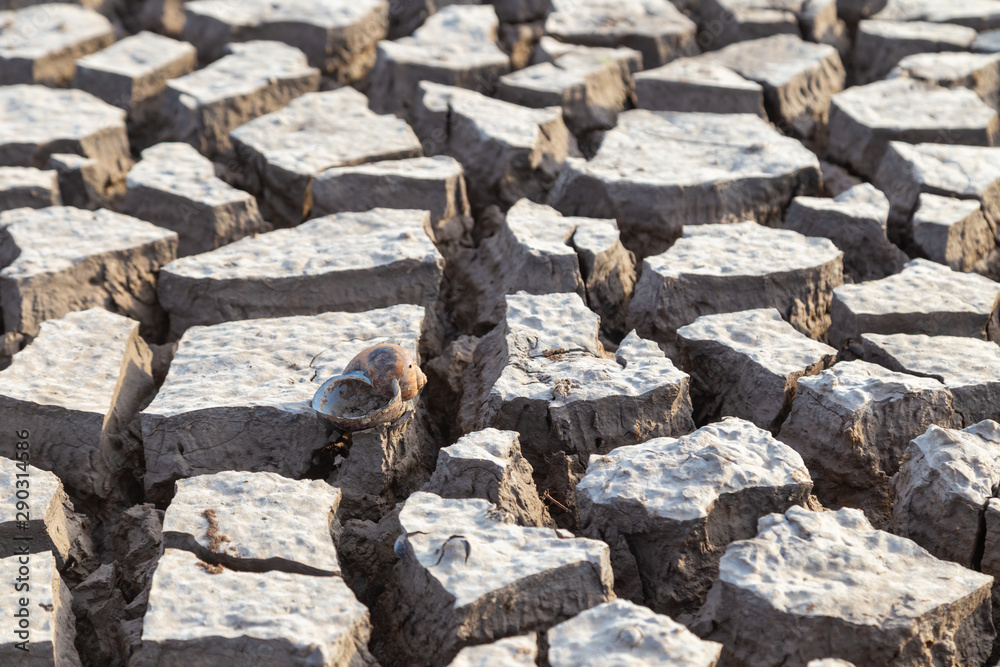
388	362
373	389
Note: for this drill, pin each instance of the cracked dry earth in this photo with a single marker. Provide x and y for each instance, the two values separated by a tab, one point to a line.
707	293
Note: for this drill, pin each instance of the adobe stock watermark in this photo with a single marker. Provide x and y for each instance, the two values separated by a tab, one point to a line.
23	538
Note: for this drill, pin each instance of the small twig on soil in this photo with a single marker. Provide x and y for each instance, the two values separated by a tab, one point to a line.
547	496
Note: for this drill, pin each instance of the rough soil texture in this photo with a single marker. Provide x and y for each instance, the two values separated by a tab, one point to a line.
702	299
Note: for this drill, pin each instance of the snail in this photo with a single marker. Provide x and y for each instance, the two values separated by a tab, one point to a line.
374	388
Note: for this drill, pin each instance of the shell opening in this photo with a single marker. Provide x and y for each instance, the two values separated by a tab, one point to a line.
352	402
355	399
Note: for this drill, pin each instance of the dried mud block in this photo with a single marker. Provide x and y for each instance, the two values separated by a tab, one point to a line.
791	595
456	46
852	424
746	364
952	231
132	74
51	631
255	521
798	78
970	368
34	125
110	603
543	372
465	576
103	7
820	22
282	152
655	28
864	119
337	36
942	491
945	497
383	466
257	78
83	183
722	169
51	526
165	17
520	651
725	22
41	43
728	268
539	251
76	389
405	16
206	613
507	151
880	45
521	11
99	608
977	72
924	298
856	10
307	270
366	551
137	539
592	85
519	40
976	14
836	179
675	504
698	85
58	260
987	42
433	184
856	220
488	464
991	547
175	187
201	421
27	187
963	172
620	632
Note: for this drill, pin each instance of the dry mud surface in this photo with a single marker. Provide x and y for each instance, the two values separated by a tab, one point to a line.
706	294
